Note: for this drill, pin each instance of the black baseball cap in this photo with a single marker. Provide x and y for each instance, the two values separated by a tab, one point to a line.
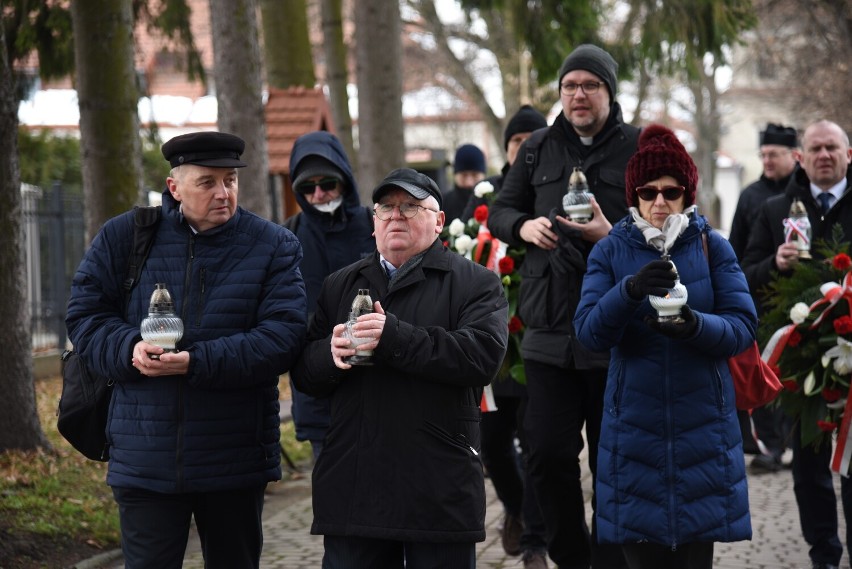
419	186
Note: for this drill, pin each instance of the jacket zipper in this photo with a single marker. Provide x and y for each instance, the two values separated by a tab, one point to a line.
180	384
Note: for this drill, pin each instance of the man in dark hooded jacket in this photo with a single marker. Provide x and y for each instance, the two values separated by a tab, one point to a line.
335	230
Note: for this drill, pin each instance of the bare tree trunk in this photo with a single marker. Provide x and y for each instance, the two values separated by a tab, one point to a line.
238	79
458	71
378	56
108	94
336	72
286	46
707	135
19	424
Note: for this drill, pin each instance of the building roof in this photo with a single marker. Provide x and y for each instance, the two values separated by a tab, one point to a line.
290	113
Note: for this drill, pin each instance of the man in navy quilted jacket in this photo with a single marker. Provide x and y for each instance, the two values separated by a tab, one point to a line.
194	432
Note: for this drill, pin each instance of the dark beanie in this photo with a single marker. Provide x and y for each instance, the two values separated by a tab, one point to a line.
592	58
778	134
659	154
314	165
527	119
469	158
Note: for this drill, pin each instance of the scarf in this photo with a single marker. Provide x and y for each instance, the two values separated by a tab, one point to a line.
663	239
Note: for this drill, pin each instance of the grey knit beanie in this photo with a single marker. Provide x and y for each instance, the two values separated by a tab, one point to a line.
595	60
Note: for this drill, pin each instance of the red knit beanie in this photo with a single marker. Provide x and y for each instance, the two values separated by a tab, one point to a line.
660	153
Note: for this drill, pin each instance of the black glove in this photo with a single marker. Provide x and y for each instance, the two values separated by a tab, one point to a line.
655	278
682	328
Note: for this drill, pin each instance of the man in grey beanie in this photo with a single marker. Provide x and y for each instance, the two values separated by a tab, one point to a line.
565	382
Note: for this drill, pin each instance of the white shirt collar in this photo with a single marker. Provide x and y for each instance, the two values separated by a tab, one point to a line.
836	190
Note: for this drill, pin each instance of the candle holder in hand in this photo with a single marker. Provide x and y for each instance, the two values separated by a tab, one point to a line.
668	306
362	304
577	203
162	327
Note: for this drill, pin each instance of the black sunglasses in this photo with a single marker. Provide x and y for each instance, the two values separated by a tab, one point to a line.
326	185
650	193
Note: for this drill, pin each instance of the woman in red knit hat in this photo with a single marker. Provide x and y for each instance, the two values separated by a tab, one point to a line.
671	473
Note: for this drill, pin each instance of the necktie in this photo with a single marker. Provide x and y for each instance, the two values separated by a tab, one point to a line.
824	201
389	269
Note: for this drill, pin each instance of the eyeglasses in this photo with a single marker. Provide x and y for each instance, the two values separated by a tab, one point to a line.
326	185
650	193
772	155
589	88
384	211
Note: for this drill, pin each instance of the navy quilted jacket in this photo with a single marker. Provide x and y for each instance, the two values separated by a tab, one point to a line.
670	461
240	294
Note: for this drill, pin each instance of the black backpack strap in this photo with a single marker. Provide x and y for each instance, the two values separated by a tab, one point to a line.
146	220
531	146
292	222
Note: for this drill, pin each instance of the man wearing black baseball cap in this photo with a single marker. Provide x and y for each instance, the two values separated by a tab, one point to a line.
193	433
768	425
399	482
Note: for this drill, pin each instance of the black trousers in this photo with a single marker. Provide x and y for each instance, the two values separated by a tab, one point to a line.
814	488
508	471
560	403
656	556
155	527
366	553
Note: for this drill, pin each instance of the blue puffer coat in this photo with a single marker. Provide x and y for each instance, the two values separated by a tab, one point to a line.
240	294
670	464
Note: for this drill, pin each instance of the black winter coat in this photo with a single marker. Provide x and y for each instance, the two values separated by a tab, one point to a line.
401	458
758	262
551	280
748	206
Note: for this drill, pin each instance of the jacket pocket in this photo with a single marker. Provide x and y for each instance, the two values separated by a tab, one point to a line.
547	171
612	178
534	292
617	373
458	440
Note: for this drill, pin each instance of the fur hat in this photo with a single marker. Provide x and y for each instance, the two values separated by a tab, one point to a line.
315	165
779	134
469	158
595	60
527	119
659	154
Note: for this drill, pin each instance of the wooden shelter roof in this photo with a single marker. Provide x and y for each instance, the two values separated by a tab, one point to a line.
290	113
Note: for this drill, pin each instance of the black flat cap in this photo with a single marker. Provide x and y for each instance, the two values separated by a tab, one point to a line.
419	186
213	149
779	134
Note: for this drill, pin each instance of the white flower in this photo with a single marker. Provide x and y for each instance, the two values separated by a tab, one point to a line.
799	312
842	353
456	227
826	288
464	244
482	189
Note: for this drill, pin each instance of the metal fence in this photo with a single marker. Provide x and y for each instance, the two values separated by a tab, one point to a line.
54	242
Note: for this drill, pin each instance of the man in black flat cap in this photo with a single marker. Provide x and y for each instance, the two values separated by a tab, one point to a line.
193	433
778	144
399	482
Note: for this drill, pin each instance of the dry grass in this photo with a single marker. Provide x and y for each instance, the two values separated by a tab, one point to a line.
57	495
